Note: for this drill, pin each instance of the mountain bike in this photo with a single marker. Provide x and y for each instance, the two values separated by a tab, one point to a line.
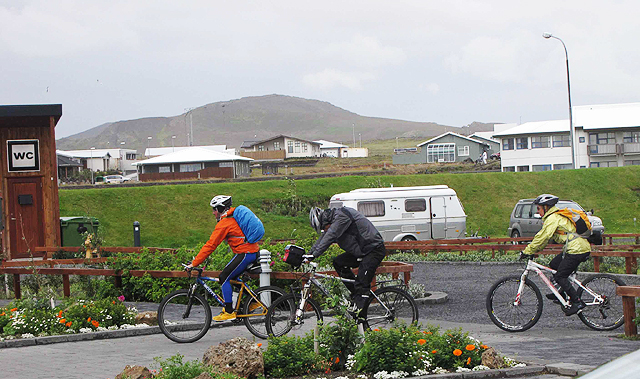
185	315
514	303
386	305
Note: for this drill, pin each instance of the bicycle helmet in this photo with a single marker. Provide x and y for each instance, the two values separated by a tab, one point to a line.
546	199
314	219
221	203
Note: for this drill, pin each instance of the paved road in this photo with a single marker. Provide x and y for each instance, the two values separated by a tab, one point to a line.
554	339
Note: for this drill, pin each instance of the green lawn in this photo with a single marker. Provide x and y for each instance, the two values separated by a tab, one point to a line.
177	215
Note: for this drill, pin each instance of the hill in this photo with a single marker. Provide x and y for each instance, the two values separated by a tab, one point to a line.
255	118
176	215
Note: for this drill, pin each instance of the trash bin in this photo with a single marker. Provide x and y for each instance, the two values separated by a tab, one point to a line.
71	229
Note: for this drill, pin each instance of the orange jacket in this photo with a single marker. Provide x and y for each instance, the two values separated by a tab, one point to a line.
227	228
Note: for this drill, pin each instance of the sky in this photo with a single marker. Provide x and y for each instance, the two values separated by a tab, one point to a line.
450	62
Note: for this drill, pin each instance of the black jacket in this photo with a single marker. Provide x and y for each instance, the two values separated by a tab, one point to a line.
353	232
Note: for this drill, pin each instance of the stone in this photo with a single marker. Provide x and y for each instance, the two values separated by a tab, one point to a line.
148	317
238	356
135	372
491	359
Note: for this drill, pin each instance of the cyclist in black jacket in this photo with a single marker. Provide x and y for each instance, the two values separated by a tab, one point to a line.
361	241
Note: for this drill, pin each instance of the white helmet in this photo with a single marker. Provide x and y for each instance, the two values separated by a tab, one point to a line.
546	199
314	219
221	202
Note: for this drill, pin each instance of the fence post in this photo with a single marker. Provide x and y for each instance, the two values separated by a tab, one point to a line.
265	266
136	234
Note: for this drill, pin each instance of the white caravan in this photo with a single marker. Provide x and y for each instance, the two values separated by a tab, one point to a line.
408	213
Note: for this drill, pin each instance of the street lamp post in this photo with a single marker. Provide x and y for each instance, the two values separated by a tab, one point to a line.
190	134
173	148
149	144
91	160
571	131
354	135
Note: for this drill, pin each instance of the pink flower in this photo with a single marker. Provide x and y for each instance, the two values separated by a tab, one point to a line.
121	297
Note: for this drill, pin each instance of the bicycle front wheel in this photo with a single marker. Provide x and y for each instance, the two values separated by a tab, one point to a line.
182	318
256	311
389	305
283	317
511	312
605	314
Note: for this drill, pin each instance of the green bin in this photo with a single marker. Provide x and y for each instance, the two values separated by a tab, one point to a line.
71	229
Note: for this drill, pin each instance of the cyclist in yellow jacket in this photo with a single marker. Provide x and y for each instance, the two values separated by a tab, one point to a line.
576	249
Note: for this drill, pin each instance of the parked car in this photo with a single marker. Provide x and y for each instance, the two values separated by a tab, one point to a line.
115	179
526	222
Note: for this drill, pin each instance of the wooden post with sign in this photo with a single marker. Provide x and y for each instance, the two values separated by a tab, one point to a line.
29	179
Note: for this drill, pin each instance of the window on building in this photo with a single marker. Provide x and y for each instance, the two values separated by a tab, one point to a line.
539	142
371	208
602	138
415	205
276	145
633	162
507	144
522	143
523	168
290	146
463	151
190	167
261	148
541	167
164	169
444	152
130	156
509	169
297	150
604	164
225	164
631	137
304	147
562	140
563	166
583	140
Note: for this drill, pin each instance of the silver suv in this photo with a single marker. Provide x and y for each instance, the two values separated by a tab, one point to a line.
526	222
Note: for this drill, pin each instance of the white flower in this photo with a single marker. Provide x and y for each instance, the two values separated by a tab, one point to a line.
420	373
480	368
27	335
519	365
86	330
439	370
463	369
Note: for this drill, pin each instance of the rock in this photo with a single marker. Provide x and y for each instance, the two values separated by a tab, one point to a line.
491	359
204	375
135	372
238	355
148	317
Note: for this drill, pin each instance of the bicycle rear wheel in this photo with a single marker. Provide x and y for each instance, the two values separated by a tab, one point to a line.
390	304
257	311
281	317
182	318
606	315
509	312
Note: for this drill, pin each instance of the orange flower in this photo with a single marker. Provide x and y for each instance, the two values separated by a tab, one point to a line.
259	344
62	321
470	347
95	323
84	306
376	330
59	314
469	361
457	352
434	351
68	324
2	314
422	341
13	309
113	302
337	359
89	319
484	346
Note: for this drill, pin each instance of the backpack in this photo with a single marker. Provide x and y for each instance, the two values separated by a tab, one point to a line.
249	223
579	219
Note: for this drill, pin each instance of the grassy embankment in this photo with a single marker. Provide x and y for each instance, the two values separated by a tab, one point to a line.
176	215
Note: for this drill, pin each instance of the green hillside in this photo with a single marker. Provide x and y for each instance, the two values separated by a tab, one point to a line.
176	215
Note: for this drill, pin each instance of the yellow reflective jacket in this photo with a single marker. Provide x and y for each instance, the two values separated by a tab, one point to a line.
558	229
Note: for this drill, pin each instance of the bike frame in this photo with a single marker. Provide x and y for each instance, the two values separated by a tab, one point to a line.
202	281
540	270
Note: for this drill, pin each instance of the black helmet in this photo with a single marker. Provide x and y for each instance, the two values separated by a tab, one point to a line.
546	199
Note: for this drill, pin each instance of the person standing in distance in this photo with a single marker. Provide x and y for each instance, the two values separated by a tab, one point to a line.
245	253
361	241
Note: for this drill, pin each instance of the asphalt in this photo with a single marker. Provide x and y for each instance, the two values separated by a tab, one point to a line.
557	347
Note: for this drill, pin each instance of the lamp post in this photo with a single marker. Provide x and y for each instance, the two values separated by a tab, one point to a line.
148	144
360	137
125	157
91	160
571	132
354	135
190	134
173	138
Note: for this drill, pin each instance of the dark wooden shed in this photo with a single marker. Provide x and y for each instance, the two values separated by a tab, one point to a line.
29	179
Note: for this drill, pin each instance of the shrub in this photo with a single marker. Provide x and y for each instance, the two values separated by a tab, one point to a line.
292	356
174	368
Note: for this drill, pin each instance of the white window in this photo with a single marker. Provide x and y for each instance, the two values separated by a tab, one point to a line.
371	208
463	151
290	146
225	164
261	148
297	147
190	167
539	142
563	140
276	145
444	152
164	169
304	147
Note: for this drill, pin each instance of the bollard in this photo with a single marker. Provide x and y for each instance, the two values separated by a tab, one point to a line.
136	234
265	267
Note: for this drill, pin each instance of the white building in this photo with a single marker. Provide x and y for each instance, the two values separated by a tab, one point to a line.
605	136
354	152
158	151
104	159
330	149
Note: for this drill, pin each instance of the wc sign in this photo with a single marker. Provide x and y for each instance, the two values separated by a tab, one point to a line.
23	155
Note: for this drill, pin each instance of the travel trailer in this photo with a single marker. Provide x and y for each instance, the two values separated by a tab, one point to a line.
408	213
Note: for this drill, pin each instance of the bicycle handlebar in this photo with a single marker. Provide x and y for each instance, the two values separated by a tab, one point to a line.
189	269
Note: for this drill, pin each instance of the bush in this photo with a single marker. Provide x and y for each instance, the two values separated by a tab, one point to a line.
292	356
174	368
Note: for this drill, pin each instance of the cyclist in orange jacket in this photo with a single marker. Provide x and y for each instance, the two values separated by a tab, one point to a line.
245	253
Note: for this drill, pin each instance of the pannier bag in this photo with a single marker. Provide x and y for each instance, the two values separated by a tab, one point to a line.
293	255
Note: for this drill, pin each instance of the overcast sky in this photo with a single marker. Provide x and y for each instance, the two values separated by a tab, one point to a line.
450	62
